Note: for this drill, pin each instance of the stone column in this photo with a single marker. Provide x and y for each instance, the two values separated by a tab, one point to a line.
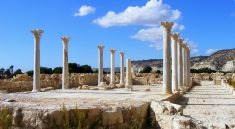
184	54
175	37
100	64
166	57
65	74
128	74
112	70
180	63
36	75
189	67
121	69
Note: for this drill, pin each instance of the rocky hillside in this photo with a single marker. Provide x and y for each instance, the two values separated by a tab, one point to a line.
215	61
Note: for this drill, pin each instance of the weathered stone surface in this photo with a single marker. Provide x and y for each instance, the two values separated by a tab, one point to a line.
181	122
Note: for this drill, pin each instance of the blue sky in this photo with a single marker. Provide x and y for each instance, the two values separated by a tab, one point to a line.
132	26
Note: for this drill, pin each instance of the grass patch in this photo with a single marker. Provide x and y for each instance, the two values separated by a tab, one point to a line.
6	118
231	83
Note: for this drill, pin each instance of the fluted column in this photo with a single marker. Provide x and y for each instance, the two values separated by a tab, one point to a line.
128	74
180	63
121	69
100	64
36	76
65	74
175	37
112	71
166	57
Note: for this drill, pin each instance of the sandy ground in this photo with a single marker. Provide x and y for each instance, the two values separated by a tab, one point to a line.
212	105
83	98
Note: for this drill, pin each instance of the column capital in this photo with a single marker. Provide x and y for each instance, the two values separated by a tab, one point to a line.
112	51
183	45
180	40
65	39
122	53
167	25
100	47
175	36
37	32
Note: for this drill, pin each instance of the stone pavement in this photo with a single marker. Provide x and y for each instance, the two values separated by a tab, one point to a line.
210	105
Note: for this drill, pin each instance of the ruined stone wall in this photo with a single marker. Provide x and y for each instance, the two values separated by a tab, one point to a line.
23	82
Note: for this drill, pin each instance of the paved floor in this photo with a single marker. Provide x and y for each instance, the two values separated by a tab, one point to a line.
85	98
212	105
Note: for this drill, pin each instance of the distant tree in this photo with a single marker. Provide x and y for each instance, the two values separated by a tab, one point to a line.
73	68
18	71
57	70
46	70
147	69
30	73
193	70
2	73
7	72
158	71
202	70
11	68
86	69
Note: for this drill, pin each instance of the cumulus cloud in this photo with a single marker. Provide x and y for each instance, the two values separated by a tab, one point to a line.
211	51
151	35
85	10
154	35
148	15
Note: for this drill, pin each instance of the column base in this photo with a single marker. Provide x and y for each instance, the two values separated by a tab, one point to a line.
120	85
36	90
166	92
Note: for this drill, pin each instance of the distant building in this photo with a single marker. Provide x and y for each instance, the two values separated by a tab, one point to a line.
229	66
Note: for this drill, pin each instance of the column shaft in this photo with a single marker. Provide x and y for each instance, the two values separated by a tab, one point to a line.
175	37
112	71
189	67
100	64
121	69
184	53
180	64
128	74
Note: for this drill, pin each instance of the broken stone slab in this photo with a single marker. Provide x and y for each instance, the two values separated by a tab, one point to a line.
165	107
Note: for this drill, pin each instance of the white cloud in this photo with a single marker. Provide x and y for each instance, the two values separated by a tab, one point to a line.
151	35
211	51
149	15
85	10
154	35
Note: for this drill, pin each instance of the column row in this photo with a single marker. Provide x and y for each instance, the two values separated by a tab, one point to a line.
176	60
101	82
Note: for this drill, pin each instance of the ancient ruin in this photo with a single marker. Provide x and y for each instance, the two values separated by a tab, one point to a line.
176	99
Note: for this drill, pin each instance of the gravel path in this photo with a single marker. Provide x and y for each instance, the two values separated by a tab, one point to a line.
212	105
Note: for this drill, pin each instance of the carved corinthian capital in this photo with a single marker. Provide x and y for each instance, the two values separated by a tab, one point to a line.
167	25
175	36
